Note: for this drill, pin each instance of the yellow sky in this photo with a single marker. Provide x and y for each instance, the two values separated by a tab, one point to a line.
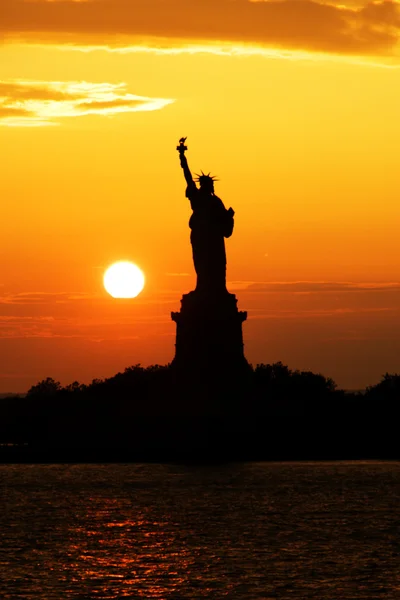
302	130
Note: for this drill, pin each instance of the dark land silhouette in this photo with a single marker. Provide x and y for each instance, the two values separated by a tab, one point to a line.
141	414
209	403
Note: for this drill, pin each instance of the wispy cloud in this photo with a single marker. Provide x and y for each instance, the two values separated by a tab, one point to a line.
53	298
348	28
315	313
12	327
54	316
225	49
43	103
310	287
34	298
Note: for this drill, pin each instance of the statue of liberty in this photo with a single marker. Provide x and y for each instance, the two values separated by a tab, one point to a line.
210	223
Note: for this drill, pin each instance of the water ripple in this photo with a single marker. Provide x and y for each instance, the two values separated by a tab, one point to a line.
254	531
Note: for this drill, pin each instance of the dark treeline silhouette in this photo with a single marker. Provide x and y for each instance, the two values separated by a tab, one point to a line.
147	414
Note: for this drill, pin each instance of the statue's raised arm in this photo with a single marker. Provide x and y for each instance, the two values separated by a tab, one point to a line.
184	164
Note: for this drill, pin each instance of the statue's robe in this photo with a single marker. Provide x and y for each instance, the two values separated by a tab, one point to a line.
210	223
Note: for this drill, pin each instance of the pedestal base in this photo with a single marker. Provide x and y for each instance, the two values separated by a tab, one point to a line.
209	334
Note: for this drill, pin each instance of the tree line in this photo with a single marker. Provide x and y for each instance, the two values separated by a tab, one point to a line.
152	406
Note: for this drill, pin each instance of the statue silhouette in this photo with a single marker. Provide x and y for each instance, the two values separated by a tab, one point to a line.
210	223
209	358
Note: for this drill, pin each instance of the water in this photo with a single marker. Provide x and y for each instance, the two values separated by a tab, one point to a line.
328	531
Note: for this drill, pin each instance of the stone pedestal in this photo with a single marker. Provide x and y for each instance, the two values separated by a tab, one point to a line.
209	336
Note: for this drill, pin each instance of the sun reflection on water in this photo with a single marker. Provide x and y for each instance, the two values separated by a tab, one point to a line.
164	532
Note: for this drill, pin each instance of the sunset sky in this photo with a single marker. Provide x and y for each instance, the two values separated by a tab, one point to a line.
294	106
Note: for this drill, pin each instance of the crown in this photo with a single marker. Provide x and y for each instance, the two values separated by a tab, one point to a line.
203	177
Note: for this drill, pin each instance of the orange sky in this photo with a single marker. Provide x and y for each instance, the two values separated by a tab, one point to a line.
294	105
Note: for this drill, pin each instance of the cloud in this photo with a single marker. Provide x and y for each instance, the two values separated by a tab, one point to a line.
21	327
368	29
13	112
43	103
52	316
33	298
309	287
313	313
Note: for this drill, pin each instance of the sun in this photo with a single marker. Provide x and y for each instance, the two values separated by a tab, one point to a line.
123	280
